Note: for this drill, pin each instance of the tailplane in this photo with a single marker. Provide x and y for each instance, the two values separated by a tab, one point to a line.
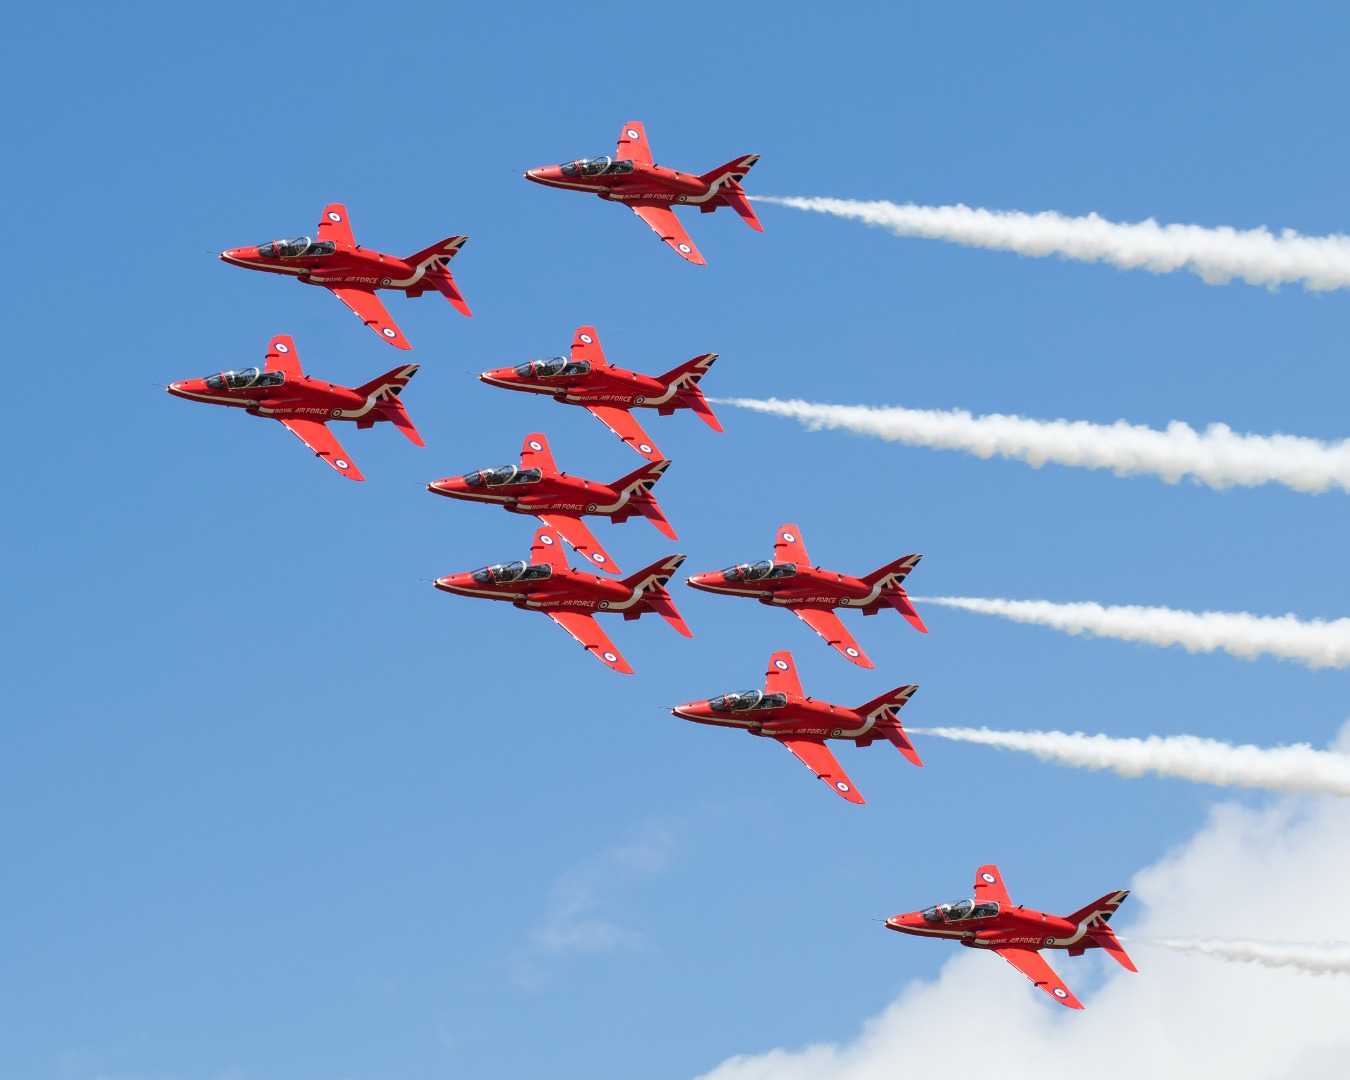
638	486
650	583
725	180
889	578
684	381
435	261
388	406
1096	917
886	712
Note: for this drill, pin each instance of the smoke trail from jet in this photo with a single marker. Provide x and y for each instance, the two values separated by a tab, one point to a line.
1315	643
1217	456
1216	255
1326	958
1291	770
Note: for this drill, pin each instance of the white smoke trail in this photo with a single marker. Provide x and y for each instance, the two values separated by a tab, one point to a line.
1216	255
1217	456
1293	770
1315	643
1327	958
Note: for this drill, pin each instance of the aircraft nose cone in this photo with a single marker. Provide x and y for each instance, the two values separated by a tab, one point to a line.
451	582
702	581
446	486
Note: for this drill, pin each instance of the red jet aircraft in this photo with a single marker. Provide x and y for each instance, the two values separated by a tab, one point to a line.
991	921
631	177
353	273
537	487
571	598
812	594
610	392
281	390
802	724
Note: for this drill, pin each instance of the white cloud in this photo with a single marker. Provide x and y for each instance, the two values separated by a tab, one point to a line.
1249	873
1216	255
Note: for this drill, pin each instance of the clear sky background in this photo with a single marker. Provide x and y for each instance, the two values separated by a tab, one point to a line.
272	807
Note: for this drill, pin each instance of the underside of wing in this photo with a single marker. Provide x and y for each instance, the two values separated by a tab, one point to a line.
575	532
788	546
586	346
315	435
547	549
371	312
816	756
781	678
633	144
666	225
829	626
334	226
621	422
1033	966
583	627
989	886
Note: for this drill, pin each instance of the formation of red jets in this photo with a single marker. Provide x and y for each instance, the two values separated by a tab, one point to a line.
545	582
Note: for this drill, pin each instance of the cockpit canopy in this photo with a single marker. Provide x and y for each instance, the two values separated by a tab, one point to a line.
960	911
503	474
242	380
597	166
519	570
295	247
762	569
553	366
747	700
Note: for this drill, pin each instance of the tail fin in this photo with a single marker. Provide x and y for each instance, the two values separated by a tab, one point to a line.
684	381
638	486
386	390
435	260
650	583
1096	916
886	710
889	578
725	180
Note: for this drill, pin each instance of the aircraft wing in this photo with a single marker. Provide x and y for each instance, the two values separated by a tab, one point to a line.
315	435
281	356
586	346
1031	964
335	226
829	626
633	144
584	628
816	756
989	886
574	531
547	550
535	454
788	546
621	422
371	312
781	678
667	226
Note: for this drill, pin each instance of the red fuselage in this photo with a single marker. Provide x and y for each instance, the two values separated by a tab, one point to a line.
547	588
799	716
628	182
1007	927
793	585
606	386
286	398
355	267
549	494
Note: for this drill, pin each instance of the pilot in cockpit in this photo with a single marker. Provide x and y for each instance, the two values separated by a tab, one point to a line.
244	380
295	247
960	911
596	166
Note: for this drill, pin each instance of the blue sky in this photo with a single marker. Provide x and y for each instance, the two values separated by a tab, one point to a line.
270	806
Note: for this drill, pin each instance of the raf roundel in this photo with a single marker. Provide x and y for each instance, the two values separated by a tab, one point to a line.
789	538
333	215
686	248
597	557
841	785
535	444
586	339
781	665
988	878
546	540
851	651
282	347
388	331
1060	993
341	464
632	134
645	447
610	657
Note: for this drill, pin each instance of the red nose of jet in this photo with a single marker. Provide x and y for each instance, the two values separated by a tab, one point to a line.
902	922
451	486
241	254
502	376
547	174
709	582
693	710
455	583
187	388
